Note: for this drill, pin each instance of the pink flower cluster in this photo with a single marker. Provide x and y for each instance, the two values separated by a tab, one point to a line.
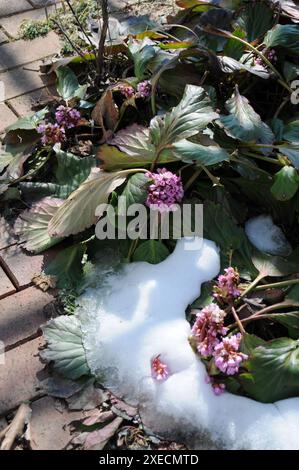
271	56
165	190
52	133
127	90
160	370
207	328
226	289
218	387
227	356
144	89
66	118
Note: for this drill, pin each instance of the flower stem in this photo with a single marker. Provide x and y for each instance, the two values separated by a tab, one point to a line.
252	285
238	321
288	282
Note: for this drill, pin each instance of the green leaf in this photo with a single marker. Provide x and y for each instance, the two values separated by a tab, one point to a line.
292	152
286	183
274	368
234	48
230	65
152	251
291	131
5	159
274	266
72	170
78	211
67	266
32	225
68	86
28	122
142	53
258	19
243	122
65	347
250	342
290	320
135	191
293	294
286	35
191	115
191	152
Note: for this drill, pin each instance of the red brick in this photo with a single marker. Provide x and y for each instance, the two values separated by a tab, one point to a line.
22	314
15	54
23	266
18	375
27	104
6	287
49	427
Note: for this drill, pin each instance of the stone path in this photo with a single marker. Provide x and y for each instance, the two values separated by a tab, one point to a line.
23	307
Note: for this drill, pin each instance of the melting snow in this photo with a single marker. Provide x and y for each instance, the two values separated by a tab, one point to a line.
138	312
266	236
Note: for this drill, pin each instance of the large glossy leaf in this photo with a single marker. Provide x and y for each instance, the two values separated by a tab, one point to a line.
284	35
193	113
286	183
65	348
32	225
191	152
274	370
78	211
230	65
71	169
290	320
152	251
5	159
274	266
68	86
292	152
258	19
67	266
135	191
243	122
142	53
291	131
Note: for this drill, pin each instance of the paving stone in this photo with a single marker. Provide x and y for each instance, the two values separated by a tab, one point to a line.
43	3
18	375
22	314
8	7
7	117
6	286
15	54
12	24
3	37
23	266
27	104
24	80
6	236
49	426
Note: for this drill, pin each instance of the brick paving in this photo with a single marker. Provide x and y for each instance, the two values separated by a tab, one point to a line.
23	307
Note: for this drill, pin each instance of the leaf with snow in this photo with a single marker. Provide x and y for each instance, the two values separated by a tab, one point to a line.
78	212
32	225
65	348
243	122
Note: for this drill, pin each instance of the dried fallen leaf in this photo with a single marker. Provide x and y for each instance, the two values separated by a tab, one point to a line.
97	440
105	113
45	282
